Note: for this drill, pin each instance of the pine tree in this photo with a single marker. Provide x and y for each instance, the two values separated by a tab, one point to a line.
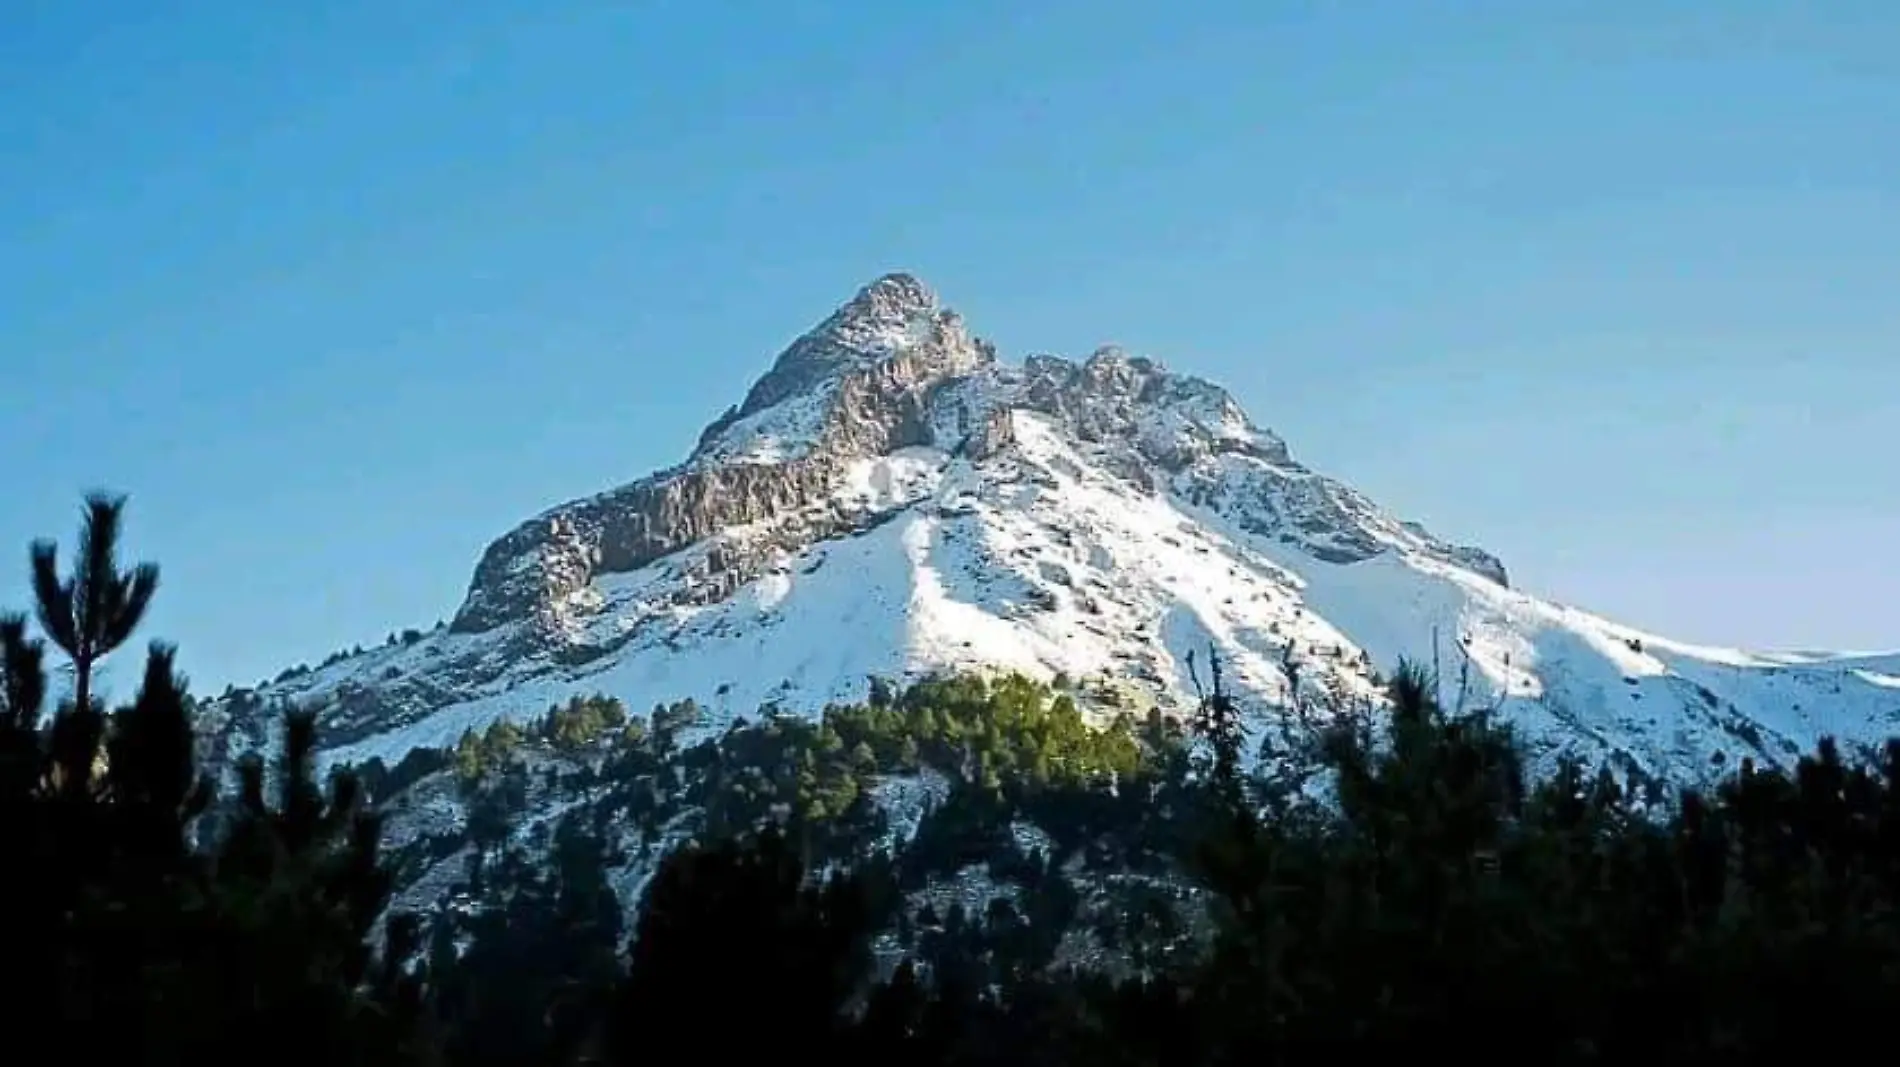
127	942
151	766
33	891
297	890
1218	722
22	695
738	923
542	956
93	611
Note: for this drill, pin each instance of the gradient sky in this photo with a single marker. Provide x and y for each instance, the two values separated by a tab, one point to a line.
340	291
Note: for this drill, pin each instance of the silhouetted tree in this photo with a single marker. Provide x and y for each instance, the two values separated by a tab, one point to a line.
127	941
541	957
94	610
736	923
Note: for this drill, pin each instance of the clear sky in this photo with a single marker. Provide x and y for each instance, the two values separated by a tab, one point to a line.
340	291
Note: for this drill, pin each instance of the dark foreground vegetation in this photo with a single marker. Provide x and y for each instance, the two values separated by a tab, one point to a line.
1440	905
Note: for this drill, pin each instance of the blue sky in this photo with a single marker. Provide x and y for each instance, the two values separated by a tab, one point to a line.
339	292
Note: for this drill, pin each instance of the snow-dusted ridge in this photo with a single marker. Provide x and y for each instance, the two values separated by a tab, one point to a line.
891	499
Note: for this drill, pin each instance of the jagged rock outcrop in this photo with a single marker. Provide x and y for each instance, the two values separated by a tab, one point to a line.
892	314
996	433
1113	395
861	379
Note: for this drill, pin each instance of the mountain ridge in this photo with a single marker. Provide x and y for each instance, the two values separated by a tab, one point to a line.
1095	518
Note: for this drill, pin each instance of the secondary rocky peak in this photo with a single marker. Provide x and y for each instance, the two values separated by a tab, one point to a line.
1115	361
1172	418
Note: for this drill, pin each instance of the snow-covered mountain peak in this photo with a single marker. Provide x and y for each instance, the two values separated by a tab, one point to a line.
895	313
891	499
894	329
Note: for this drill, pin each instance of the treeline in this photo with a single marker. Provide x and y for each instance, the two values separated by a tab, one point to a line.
1441	902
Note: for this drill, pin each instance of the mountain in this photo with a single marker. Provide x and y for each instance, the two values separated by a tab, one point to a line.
892	499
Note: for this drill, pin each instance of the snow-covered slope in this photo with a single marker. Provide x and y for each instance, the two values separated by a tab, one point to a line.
892	500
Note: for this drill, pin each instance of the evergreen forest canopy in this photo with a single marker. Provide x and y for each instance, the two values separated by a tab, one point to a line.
1169	907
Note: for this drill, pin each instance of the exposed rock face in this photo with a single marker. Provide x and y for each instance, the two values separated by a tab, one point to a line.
861	380
993	437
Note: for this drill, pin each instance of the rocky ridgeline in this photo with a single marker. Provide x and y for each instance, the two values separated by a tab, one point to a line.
893	369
